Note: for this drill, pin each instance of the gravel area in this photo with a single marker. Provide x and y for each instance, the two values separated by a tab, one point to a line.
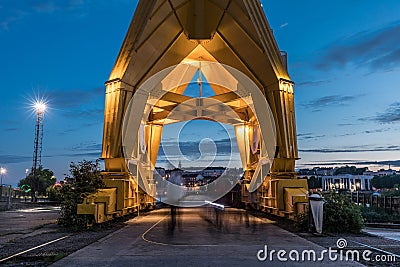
48	254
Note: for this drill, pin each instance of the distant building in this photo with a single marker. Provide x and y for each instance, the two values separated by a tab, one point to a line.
160	171
382	172
325	171
317	171
306	172
213	171
175	176
191	177
347	182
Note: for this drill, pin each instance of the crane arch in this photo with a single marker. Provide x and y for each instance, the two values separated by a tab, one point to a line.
234	33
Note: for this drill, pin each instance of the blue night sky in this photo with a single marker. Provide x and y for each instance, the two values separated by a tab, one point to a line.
343	55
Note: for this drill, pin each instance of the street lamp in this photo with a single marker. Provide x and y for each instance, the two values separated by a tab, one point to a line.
3	172
39	107
358	188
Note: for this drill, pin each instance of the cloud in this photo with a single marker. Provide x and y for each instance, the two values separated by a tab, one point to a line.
329	101
45	7
79	128
391	114
51	6
312	83
12	11
73	98
352	149
10	18
78	104
11	129
375	50
309	136
87	147
93	155
95	114
7	159
364	132
392	163
345	124
190	149
284	25
89	150
377	131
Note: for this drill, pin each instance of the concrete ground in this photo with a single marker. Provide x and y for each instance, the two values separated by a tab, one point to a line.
195	237
24	222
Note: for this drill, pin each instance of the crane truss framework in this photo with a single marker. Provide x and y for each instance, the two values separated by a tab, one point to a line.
166	33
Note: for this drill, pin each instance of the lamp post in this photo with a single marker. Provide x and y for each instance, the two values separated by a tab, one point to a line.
40	108
3	172
357	188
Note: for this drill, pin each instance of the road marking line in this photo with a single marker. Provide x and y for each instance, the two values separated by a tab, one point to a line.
25	251
148	230
377	249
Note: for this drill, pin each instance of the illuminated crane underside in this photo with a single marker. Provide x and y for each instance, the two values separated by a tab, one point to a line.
166	33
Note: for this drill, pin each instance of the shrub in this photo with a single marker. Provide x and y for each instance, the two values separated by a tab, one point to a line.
301	221
379	215
84	179
54	193
341	215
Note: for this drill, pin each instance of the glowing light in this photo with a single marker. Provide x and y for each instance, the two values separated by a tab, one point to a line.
3	171
219	206
40	106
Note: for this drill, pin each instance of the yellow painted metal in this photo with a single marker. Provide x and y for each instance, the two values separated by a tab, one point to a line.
232	32
96	209
293	197
120	197
272	194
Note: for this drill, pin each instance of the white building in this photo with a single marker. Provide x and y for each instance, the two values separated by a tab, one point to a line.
347	182
213	171
382	172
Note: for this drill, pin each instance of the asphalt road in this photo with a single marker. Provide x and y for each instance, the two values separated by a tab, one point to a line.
195	237
23	222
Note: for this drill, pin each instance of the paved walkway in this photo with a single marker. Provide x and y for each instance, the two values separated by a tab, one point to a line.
194	237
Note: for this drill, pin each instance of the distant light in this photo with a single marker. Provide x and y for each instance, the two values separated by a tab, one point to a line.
3	171
40	106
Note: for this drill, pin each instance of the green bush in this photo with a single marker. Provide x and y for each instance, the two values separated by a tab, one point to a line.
373	215
84	179
341	215
301	221
378	215
54	193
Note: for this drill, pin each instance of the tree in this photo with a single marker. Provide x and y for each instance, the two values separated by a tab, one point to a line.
314	182
385	181
350	170
44	179
84	179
